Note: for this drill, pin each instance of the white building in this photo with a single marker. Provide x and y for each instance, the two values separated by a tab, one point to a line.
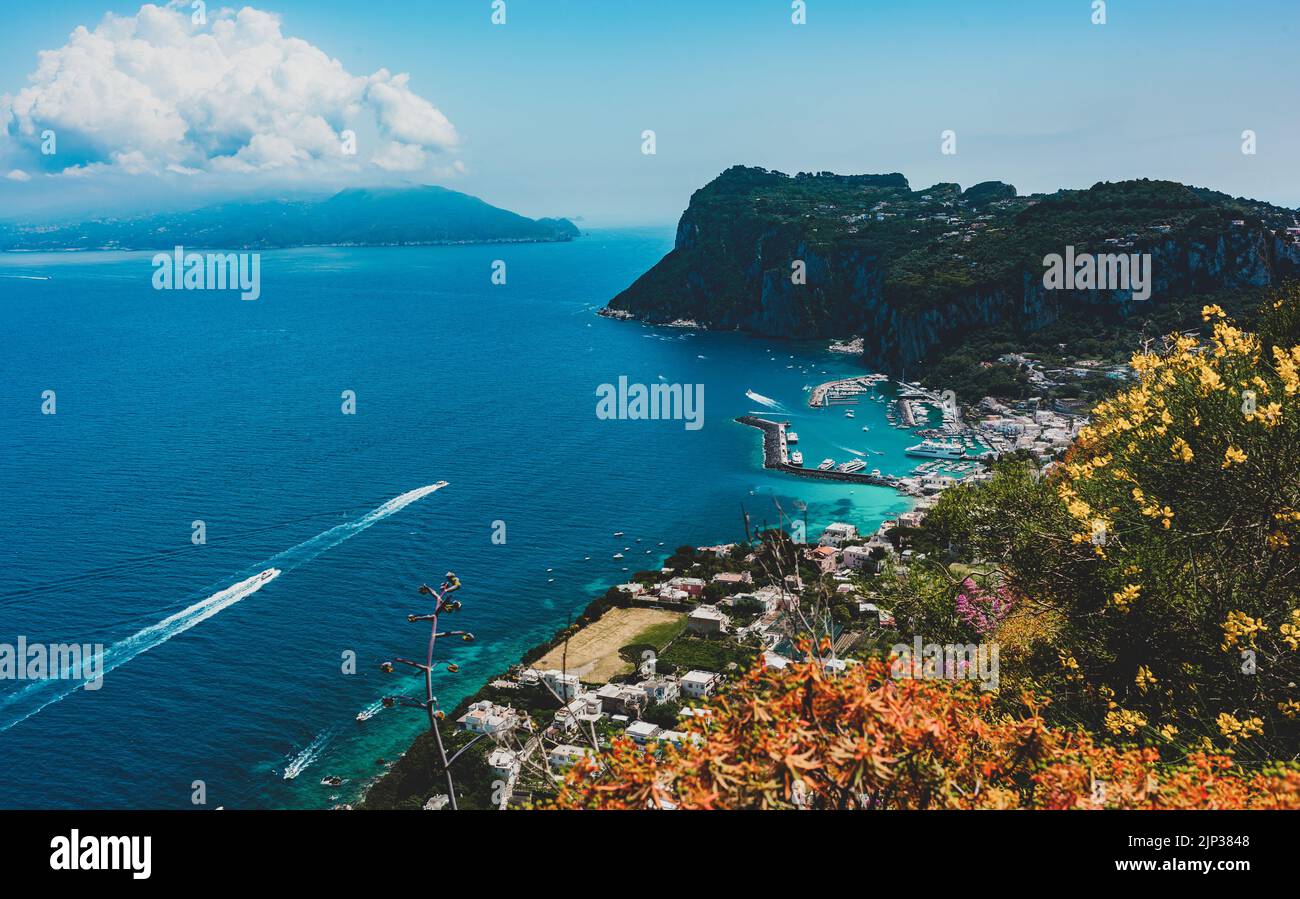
642	731
566	755
660	689
580	710
858	558
620	699
838	534
565	686
698	684
707	621
485	718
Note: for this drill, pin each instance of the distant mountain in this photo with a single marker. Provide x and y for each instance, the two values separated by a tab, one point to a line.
355	217
912	270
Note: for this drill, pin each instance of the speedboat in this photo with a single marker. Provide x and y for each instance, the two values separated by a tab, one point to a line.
269	573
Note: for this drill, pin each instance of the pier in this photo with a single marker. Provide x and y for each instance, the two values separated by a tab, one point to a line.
844	390
774	452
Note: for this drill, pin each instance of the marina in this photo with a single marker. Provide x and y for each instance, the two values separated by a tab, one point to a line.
775	456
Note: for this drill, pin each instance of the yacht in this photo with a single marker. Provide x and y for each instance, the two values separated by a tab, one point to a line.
618	555
937	449
852	465
791	437
796	458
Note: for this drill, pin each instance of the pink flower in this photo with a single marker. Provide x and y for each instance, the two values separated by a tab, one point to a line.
982	609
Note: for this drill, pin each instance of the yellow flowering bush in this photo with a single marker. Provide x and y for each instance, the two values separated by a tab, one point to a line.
1167	541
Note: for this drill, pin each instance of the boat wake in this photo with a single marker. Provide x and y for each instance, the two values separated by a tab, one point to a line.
370	711
303	760
23	704
762	400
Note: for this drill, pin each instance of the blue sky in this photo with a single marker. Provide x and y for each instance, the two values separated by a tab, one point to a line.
548	109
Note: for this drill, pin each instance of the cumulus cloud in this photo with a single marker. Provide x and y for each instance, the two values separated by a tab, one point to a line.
155	93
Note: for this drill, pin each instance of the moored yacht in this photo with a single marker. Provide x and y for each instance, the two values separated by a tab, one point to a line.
937	449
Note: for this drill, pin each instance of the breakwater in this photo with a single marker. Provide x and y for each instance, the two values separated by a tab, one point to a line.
773	453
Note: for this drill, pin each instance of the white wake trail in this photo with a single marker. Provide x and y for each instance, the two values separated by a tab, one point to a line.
762	400
48	692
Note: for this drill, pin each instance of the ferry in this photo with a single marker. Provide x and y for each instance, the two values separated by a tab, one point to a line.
791	437
937	449
826	465
796	458
853	465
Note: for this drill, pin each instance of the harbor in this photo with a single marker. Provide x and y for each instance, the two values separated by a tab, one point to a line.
776	457
843	390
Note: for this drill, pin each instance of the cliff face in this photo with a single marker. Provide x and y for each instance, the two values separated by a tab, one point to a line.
910	270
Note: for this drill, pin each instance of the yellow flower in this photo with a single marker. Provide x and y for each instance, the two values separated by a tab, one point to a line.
1270	415
1239	629
1233	456
1208	312
1182	450
1145	679
1291	630
1124	599
1125	721
1168	731
1236	730
1290	708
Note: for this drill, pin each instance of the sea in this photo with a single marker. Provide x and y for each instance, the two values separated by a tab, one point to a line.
160	449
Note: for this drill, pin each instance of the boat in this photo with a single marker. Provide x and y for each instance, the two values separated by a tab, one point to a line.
866	427
270	573
852	466
875	472
848	414
618	555
826	465
937	449
618	533
796	458
791	437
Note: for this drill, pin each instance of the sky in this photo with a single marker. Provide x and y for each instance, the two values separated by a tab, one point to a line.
545	114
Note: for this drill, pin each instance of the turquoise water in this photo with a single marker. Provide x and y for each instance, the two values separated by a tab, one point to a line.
177	407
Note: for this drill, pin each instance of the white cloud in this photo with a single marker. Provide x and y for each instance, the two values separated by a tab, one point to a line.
153	93
18	175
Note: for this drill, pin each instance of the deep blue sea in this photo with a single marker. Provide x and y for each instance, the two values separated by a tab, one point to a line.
176	407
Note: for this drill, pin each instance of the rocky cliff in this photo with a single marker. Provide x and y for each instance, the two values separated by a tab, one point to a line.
824	255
